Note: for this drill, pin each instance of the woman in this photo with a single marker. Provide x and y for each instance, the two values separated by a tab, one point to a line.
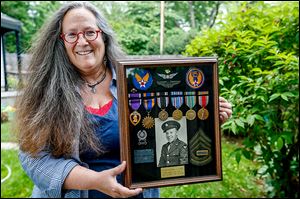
69	146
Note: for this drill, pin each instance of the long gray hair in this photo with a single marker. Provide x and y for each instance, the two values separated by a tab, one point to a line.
50	111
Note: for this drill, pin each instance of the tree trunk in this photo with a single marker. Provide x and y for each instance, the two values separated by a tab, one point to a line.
213	15
192	15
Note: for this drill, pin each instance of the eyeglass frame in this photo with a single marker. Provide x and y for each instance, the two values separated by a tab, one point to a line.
62	35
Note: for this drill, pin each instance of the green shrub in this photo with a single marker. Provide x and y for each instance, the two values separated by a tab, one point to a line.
257	45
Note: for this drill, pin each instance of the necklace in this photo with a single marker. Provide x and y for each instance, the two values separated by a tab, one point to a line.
93	86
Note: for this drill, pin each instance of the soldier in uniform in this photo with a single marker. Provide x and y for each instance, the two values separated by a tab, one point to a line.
174	152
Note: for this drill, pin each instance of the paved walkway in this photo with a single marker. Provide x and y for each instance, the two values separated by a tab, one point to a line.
9	145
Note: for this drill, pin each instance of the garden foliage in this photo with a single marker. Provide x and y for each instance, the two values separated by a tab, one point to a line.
257	46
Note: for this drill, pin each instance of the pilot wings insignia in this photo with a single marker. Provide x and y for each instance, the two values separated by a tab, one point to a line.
167	76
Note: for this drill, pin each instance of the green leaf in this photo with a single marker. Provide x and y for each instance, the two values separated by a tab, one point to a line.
239	123
238	157
274	96
247	154
279	143
259	117
250	119
284	97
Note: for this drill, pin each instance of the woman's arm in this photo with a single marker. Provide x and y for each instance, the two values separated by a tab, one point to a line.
105	181
46	172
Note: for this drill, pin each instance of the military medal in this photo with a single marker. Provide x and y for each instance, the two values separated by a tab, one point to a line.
162	102
203	112
177	101
134	103
190	100
142	79
194	78
142	135
148	121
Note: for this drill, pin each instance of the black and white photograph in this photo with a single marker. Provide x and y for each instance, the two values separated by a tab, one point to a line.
171	142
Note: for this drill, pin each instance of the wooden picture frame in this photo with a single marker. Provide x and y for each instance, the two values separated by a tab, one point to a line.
151	94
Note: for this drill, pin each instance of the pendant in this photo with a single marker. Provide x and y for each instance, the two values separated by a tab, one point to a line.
203	114
177	114
135	117
190	114
93	89
163	115
148	122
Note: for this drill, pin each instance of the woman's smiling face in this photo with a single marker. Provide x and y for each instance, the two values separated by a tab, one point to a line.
87	56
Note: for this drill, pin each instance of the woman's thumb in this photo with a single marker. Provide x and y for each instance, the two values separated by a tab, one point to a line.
119	169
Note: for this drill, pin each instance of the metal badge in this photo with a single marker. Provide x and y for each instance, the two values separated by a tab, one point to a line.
149	102
190	100
177	114
194	78
177	101
162	102
134	103
163	115
135	117
203	114
142	80
148	122
190	114
142	135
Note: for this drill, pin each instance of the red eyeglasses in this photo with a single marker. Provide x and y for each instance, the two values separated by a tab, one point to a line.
72	37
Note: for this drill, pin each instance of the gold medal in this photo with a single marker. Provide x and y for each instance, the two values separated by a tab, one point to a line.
190	114
135	117
163	115
177	114
203	114
148	122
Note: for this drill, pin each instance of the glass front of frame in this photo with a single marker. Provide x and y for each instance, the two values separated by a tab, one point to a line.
171	114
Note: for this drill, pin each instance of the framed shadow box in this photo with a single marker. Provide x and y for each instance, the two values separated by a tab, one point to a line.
169	120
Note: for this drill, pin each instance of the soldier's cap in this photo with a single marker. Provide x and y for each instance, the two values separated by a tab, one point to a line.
169	125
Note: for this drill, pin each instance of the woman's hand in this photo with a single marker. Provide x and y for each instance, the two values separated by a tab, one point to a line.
109	185
225	109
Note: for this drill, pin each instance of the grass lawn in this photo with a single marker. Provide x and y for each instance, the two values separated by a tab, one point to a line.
18	185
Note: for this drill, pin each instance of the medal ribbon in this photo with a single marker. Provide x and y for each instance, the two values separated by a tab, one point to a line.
135	103
203	100
189	93
177	101
162	100
190	101
149	103
134	95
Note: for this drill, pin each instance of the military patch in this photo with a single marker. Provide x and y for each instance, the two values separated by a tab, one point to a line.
142	79
194	78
